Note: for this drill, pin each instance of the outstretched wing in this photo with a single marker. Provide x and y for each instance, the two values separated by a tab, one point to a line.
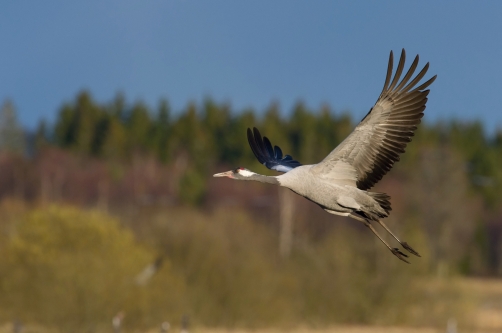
270	157
371	150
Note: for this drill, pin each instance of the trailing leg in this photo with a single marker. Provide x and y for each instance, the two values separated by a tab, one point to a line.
403	244
395	251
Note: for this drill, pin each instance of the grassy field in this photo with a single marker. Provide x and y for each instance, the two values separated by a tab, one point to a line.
335	329
487	302
481	300
7	328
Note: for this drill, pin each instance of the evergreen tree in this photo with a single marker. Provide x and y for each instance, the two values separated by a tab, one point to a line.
162	129
302	134
139	128
216	121
12	137
115	143
236	155
64	133
87	116
41	135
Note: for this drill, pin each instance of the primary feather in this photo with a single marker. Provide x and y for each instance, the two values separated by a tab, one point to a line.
268	156
371	150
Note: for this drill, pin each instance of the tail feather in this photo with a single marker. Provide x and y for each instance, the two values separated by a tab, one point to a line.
383	200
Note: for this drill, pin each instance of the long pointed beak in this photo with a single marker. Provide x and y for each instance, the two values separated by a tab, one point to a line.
224	174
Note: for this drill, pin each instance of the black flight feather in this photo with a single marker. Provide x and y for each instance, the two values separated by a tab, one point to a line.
268	155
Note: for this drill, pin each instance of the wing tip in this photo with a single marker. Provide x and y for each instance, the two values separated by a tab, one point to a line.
267	154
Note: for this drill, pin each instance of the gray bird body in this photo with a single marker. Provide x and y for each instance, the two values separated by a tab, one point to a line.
336	197
340	182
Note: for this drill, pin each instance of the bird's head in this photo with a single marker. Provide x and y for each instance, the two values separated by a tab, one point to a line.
237	173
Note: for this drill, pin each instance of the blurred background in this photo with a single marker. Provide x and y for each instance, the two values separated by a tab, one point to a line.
114	117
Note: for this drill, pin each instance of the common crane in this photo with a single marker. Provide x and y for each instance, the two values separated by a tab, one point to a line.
340	182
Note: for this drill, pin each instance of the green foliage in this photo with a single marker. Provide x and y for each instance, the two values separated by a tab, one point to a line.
139	128
192	187
162	131
74	269
11	134
42	135
235	277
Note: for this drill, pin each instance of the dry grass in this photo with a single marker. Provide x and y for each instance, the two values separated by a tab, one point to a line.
334	329
481	298
7	328
486	295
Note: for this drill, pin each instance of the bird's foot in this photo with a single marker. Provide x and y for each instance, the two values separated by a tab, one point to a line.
395	251
410	249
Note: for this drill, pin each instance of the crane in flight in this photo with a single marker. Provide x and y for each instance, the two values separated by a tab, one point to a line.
340	183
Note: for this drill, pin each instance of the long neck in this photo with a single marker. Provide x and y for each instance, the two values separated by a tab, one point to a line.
262	179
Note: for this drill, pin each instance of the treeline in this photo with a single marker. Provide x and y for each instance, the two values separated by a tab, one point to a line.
202	136
208	133
195	139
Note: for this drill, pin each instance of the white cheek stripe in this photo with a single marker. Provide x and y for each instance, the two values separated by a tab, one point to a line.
246	173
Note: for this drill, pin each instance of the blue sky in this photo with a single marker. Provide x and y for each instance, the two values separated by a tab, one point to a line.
249	53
